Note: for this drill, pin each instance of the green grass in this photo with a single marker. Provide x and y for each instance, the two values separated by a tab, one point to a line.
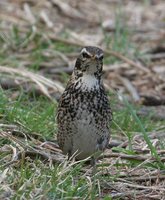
35	178
120	40
49	182
16	41
37	115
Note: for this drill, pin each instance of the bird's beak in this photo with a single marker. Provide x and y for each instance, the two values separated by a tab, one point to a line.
93	57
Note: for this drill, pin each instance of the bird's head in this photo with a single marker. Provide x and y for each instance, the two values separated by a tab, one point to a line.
89	62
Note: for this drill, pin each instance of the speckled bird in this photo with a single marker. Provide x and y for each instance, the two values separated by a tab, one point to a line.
84	113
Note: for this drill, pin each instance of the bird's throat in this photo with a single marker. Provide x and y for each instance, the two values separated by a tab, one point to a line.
89	82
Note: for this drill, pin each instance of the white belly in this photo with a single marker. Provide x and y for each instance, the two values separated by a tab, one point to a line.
85	140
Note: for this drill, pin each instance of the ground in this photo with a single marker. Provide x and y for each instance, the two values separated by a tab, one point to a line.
40	41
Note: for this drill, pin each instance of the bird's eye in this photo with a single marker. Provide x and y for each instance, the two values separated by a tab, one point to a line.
101	57
85	55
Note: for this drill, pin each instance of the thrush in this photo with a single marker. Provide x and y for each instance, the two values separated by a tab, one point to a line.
84	113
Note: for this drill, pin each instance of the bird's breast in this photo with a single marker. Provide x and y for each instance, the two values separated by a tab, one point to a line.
88	82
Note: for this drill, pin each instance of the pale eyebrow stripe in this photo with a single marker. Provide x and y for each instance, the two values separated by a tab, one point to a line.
99	56
84	50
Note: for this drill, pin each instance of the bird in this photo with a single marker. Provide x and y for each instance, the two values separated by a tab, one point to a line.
84	113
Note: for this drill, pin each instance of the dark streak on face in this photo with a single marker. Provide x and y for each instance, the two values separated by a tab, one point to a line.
88	56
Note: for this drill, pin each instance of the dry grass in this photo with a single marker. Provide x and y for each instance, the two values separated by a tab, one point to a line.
39	43
43	84
119	174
